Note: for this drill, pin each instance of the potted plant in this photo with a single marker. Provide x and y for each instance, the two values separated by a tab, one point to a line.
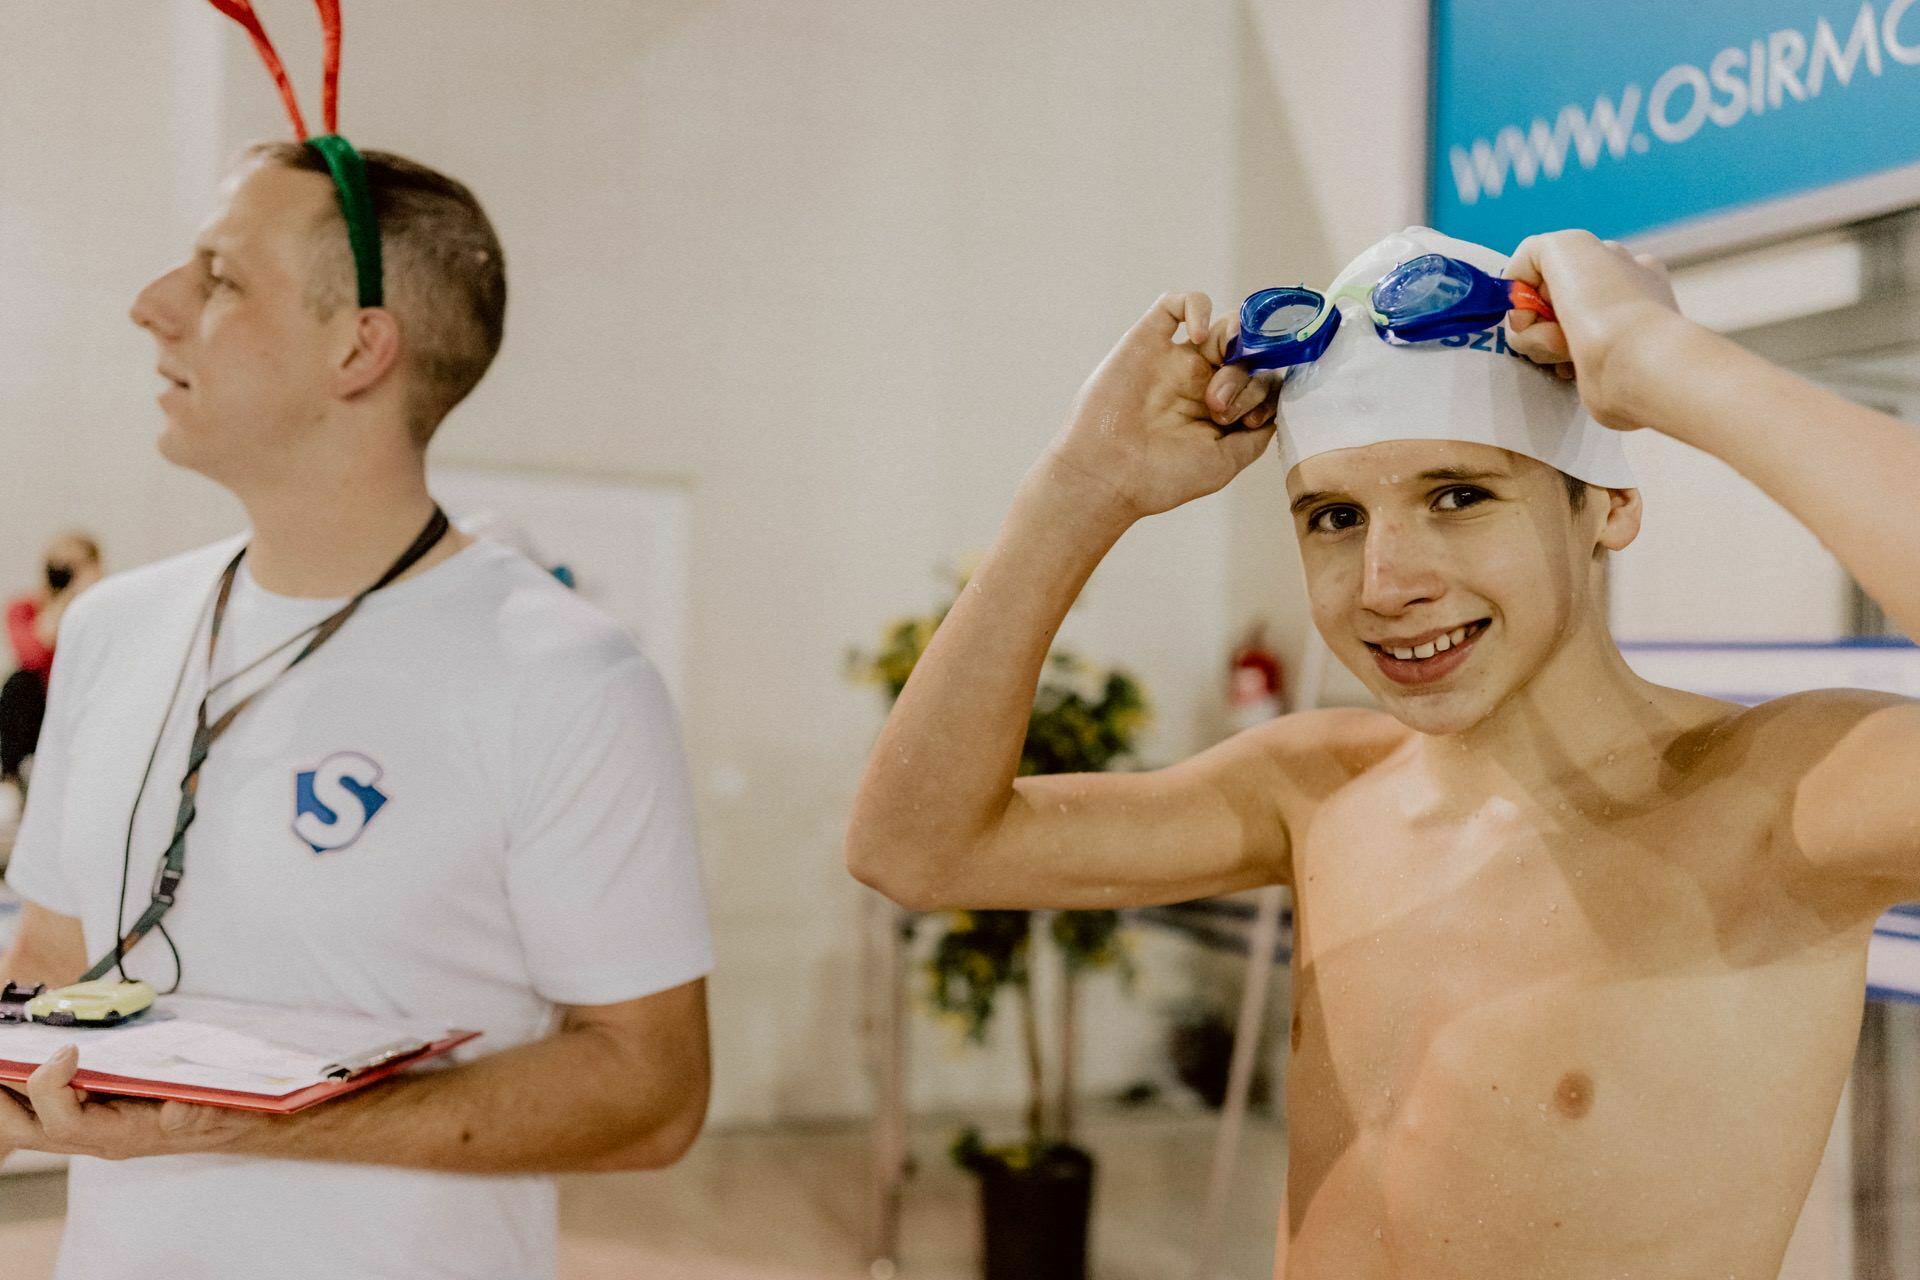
1036	1190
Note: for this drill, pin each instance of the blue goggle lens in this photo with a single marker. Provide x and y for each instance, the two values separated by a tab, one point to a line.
1428	285
1282	313
1288	320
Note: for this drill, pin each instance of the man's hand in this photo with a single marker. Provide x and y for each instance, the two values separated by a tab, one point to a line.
1614	310
1160	422
55	1116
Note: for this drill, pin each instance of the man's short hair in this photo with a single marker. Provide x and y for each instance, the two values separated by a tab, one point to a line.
445	273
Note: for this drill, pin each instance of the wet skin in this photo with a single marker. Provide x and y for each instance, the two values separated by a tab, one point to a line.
1573	1001
1592	1031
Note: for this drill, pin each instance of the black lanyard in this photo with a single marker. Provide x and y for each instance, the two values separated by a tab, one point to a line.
173	867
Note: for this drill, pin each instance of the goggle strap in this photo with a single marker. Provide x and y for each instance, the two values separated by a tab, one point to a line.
1328	307
1527	298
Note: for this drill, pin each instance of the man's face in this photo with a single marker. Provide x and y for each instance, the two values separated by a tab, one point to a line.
245	359
1415	544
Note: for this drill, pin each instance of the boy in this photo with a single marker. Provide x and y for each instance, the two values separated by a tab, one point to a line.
1579	959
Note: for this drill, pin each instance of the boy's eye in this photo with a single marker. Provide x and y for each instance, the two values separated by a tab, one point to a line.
1460	497
1333	519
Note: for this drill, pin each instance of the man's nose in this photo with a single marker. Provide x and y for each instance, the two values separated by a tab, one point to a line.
157	307
1400	571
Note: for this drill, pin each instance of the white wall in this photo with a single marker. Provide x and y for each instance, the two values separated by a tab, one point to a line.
105	169
840	267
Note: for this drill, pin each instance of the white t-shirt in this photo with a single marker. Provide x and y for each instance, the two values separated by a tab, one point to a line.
471	804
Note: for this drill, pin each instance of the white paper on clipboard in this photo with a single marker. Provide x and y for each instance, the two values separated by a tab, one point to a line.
210	1043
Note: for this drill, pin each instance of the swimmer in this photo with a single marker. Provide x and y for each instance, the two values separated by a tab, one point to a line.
1580	959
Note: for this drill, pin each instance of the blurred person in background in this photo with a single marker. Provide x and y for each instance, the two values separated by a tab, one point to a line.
71	565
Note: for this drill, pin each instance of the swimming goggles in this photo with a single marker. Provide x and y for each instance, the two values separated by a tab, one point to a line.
1429	297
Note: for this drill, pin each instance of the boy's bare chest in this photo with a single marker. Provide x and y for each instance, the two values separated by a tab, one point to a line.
1502	1000
1535	886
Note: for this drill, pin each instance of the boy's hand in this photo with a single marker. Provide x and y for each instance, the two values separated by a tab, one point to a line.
1614	309
1156	426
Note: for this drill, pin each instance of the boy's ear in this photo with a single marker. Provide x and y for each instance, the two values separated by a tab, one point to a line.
1622	523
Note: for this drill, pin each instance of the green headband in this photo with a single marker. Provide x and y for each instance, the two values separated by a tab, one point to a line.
349	172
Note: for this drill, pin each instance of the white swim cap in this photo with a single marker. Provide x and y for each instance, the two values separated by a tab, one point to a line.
1363	390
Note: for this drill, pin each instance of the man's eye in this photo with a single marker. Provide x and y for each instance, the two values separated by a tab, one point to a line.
1460	497
1333	519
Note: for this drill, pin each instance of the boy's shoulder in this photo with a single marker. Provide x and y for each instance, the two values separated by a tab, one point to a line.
1809	722
1332	745
1778	742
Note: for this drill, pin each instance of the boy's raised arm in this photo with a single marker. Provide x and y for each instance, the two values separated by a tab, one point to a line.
940	818
1847	472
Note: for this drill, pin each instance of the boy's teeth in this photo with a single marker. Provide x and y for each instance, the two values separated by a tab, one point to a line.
1439	644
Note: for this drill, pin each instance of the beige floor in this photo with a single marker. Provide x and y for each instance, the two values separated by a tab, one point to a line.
788	1205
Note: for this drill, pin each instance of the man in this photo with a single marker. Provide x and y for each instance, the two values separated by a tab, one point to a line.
470	805
1579	959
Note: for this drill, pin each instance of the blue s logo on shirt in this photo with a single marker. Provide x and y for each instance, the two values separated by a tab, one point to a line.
334	801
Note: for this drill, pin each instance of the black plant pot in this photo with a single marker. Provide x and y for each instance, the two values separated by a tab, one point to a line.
1036	1218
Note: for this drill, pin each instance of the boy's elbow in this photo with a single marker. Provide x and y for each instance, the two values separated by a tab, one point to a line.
892	876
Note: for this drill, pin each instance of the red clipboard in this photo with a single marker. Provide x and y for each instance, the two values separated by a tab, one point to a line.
234	1100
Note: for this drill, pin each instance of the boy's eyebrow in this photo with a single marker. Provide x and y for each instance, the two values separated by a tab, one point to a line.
1462	474
1308	499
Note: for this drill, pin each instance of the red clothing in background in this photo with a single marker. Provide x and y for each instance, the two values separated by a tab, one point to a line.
28	651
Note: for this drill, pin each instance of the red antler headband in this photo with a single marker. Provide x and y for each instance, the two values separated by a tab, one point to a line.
343	162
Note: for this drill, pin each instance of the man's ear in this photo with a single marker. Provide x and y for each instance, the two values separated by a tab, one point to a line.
374	353
1622	523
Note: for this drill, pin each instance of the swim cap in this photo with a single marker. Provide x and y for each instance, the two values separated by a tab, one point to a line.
1364	390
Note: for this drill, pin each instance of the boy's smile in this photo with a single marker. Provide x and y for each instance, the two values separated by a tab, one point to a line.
1427	658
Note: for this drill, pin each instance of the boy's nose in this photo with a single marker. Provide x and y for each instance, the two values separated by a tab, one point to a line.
1396	575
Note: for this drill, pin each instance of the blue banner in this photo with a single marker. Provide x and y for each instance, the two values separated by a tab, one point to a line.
1630	115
